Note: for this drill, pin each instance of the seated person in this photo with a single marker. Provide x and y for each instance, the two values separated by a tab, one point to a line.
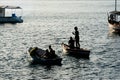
52	52
47	54
71	43
13	15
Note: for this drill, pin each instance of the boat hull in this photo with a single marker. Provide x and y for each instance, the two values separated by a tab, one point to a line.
11	20
44	61
114	27
77	52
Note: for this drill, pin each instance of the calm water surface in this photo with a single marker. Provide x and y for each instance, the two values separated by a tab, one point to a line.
52	22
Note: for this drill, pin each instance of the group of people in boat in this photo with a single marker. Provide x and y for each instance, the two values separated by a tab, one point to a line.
74	42
50	53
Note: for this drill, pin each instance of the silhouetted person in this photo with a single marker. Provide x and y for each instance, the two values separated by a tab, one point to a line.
47	54
71	43
51	51
13	15
76	33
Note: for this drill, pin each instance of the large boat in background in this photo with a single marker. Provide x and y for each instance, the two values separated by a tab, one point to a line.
114	19
10	19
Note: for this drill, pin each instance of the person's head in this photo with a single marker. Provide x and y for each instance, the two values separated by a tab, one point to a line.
49	46
75	28
71	38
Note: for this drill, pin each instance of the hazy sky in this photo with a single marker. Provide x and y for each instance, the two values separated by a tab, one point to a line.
63	5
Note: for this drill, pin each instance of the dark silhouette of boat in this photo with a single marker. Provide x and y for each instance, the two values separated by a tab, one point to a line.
76	52
37	55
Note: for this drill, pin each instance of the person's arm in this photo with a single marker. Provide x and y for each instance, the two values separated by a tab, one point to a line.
73	33
68	42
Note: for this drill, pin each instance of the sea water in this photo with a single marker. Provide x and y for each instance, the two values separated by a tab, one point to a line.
51	22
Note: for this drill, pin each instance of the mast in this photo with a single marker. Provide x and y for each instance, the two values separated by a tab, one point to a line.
115	5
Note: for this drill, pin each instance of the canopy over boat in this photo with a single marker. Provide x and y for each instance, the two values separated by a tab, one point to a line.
115	12
10	7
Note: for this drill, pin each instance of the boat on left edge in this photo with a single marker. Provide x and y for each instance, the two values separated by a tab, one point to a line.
13	18
38	57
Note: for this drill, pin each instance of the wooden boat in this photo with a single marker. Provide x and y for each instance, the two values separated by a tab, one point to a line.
76	52
114	19
37	55
9	19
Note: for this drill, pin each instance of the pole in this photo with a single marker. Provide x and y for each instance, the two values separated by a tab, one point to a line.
115	5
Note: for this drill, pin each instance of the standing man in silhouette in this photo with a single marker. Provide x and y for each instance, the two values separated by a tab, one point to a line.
76	33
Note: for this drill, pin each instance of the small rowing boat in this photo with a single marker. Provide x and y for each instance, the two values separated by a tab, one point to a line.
76	52
38	57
